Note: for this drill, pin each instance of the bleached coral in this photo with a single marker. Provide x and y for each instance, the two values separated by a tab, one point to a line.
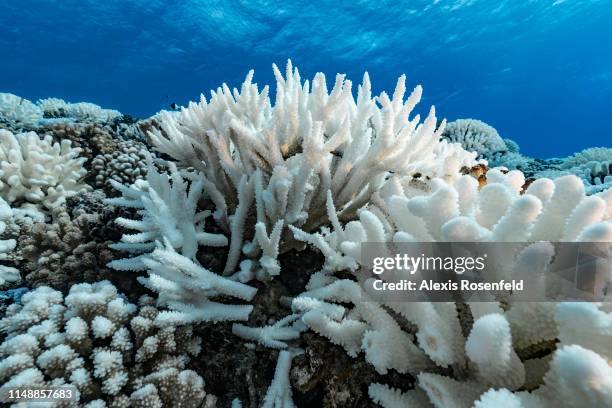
511	145
279	392
593	154
18	113
313	167
578	377
366	327
501	211
275	335
574	377
39	171
93	139
169	210
388	397
187	288
107	348
80	112
548	210
53	107
284	157
476	136
8	274
588	325
593	166
489	347
595	175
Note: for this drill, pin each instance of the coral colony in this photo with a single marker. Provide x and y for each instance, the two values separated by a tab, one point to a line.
209	256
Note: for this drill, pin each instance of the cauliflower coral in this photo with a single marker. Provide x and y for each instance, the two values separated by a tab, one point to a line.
39	171
109	350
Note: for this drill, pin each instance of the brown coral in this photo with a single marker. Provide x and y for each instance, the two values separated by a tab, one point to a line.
61	253
126	164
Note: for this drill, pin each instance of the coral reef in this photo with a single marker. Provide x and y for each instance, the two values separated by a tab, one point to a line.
548	210
63	252
169	213
284	158
476	136
125	164
78	112
92	139
593	166
224	270
17	113
110	350
593	154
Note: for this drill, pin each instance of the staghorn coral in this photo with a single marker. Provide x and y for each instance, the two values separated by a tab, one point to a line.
279	392
109	349
169	210
188	289
39	171
18	113
284	157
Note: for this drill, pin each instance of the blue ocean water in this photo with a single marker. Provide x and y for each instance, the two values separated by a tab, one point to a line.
539	71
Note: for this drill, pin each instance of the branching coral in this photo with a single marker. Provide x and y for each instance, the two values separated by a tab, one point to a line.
110	350
366	327
275	335
169	210
313	167
279	392
286	156
39	171
548	210
187	288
